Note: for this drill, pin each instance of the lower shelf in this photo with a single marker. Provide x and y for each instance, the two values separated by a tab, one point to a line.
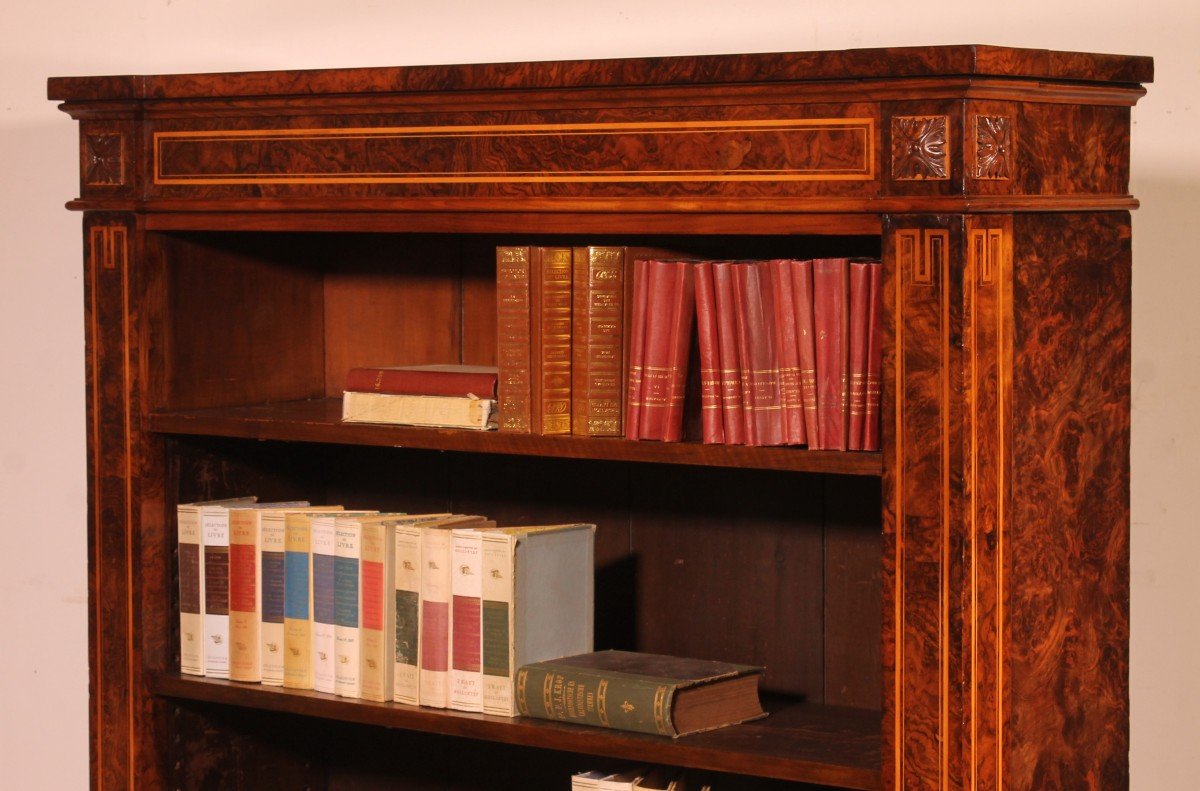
804	742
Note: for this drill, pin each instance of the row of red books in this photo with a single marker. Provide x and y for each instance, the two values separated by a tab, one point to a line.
790	351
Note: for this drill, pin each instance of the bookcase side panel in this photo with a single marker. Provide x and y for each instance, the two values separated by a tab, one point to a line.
922	512
128	560
1066	597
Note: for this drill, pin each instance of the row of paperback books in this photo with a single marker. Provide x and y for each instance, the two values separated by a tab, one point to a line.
598	341
431	609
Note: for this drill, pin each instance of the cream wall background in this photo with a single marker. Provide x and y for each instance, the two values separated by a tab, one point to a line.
43	619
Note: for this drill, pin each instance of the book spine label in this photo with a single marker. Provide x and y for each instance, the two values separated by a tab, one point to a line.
619	702
831	302
324	641
407	572
466	673
297	605
496	620
215	525
712	423
272	562
637	352
346	608
730	356
513	337
597	338
436	557
375	669
191	619
802	298
551	332
429	383
860	288
787	352
872	416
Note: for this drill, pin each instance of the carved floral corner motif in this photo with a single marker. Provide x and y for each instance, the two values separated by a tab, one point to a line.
993	147
104	159
919	149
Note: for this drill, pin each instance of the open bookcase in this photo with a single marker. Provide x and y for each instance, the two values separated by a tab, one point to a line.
951	612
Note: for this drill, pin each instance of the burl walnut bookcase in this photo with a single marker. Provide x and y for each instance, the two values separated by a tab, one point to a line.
950	613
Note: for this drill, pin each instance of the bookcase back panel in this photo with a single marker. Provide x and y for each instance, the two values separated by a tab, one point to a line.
390	304
244	319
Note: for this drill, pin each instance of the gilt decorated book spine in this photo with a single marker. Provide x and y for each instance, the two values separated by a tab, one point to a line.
513	347
550	330
598	341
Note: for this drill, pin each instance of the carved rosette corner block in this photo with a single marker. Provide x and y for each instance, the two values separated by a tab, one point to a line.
920	151
104	159
993	147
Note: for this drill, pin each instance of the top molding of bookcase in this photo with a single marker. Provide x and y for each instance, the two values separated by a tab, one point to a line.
971	60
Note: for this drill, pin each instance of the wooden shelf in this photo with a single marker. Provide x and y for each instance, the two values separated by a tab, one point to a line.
319	421
801	742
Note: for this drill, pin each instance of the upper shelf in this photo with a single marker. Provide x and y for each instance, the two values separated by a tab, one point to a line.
320	421
762	68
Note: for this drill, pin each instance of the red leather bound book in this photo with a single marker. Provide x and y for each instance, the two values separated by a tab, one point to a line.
433	380
513	347
727	337
787	352
761	362
831	314
741	321
860	288
683	311
550	330
637	351
802	298
872	413
597	341
712	424
669	307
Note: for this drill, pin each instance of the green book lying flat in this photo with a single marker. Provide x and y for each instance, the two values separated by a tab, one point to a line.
648	693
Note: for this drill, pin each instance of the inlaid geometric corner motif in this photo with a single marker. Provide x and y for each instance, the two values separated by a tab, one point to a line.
919	148
104	159
993	147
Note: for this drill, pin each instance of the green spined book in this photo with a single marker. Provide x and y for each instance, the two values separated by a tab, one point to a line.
647	693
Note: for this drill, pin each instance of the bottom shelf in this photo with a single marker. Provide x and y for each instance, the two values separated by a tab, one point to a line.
805	742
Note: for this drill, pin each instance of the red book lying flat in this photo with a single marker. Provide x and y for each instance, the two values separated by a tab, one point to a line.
433	380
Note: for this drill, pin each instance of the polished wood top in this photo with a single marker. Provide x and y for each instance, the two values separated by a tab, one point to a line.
958	60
